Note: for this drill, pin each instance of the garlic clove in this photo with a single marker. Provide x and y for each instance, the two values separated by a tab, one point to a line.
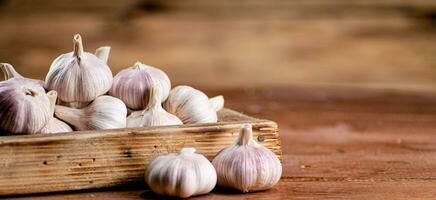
154	115
217	102
193	106
24	106
105	112
79	77
181	174
247	166
132	85
103	53
54	125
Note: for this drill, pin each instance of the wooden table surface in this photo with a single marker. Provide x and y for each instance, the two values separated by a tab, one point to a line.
338	143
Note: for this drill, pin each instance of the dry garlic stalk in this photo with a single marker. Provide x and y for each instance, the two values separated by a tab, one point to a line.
154	115
183	175
24	105
80	77
105	112
193	106
133	85
247	165
54	125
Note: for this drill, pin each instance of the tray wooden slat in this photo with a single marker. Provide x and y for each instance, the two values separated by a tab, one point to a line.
95	159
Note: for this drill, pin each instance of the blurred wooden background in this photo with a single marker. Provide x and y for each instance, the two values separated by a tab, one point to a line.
216	44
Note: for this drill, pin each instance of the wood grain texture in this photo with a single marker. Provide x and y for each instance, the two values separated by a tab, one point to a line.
94	159
337	143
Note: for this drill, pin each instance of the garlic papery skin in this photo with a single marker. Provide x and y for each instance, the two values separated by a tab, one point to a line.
105	112
54	125
133	84
154	115
191	105
24	106
79	77
247	166
217	102
181	174
102	53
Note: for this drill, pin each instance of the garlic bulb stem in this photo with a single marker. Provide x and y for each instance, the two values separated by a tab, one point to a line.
217	102
103	53
70	115
9	71
54	125
155	96
137	65
246	135
78	46
52	96
187	151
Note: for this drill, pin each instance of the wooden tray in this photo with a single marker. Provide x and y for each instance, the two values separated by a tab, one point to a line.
95	159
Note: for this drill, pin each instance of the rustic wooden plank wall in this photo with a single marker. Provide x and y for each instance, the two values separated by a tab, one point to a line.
229	43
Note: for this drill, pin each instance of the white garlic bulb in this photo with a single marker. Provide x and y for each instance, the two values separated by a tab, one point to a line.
183	175
154	115
54	125
105	112
247	165
24	106
193	106
132	85
79	77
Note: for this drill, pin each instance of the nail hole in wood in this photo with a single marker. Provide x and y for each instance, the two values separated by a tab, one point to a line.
93	159
260	138
45	162
127	153
80	164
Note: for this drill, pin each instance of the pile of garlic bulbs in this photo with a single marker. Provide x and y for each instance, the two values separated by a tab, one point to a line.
80	93
245	166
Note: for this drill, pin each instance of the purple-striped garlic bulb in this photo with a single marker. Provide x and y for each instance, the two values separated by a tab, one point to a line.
247	166
132	85
193	106
24	105
80	77
54	125
154	115
181	174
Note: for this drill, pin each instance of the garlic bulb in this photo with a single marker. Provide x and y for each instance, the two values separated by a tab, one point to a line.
247	165
24	106
54	125
154	115
79	77
193	106
183	175
9	72
132	85
105	112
